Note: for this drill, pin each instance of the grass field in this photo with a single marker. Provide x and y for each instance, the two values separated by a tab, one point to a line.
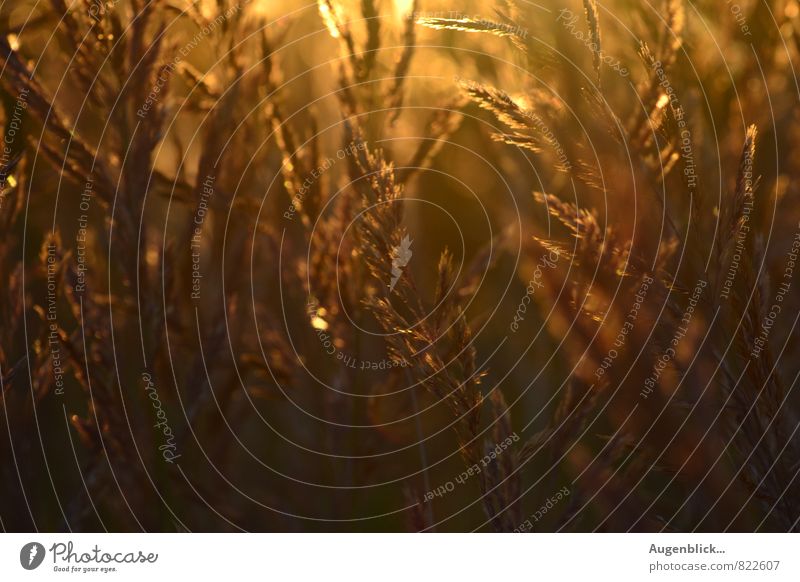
400	265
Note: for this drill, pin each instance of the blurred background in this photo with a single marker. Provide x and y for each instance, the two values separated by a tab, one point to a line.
204	206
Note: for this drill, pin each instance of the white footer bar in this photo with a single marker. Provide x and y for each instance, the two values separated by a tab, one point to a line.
400	557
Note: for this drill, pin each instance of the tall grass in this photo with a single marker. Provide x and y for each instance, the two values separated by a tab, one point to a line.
263	261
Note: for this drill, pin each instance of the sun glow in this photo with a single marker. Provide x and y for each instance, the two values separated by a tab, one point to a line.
403	7
329	17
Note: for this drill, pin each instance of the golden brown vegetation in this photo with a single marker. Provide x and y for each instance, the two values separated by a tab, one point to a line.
388	265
